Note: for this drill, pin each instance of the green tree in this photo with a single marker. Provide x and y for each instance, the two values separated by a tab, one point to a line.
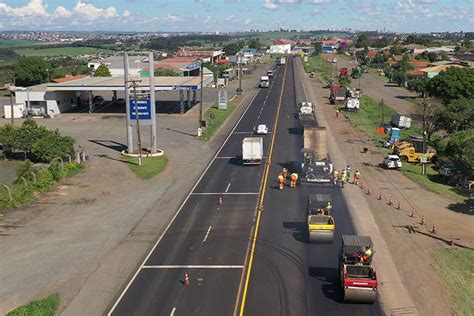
102	71
51	146
461	150
466	43
432	57
361	55
254	43
397	48
318	48
457	116
232	48
454	83
31	70
399	77
417	85
362	41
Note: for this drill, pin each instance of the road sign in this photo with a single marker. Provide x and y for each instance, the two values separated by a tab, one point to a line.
222	100
424	158
144	111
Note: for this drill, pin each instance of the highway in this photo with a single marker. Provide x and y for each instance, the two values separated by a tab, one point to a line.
212	242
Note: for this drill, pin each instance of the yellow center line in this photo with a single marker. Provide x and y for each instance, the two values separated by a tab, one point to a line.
260	208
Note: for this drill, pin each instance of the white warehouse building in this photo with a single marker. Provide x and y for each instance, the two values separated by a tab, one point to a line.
280	49
115	64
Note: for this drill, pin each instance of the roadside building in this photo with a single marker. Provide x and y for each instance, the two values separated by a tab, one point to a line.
206	55
431	72
116	67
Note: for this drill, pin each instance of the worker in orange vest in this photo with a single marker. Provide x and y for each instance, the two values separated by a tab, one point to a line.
285	173
293	179
357	177
281	181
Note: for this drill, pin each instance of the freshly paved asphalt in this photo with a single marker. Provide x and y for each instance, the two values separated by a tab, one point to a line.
289	276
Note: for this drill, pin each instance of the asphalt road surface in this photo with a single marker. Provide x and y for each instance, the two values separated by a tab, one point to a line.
210	241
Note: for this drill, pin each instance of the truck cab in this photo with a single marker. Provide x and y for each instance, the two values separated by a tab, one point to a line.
264	82
270	73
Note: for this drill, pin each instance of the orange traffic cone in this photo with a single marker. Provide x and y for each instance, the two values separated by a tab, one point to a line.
451	240
369	192
433	230
390	201
220	200
399	206
422	220
412	213
380	198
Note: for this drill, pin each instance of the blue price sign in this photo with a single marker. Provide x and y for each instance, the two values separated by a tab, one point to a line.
144	110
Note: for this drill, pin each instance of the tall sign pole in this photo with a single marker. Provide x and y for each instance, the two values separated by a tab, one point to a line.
151	66
127	104
137	118
200	95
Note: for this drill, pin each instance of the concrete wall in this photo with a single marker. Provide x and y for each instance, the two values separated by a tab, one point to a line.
55	101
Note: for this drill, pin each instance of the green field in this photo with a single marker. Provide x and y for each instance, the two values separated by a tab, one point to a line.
17	43
60	51
43	307
369	118
457	268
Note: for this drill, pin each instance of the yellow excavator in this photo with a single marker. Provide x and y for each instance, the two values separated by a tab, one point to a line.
412	150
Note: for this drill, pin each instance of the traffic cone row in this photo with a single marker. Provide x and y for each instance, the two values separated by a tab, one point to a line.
380	198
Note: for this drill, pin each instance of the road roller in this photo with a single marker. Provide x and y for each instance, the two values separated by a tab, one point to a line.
358	277
320	223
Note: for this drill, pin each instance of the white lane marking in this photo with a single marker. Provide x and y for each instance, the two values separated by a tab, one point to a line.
172	311
207	234
224	193
182	266
227	189
244	132
180	208
225	157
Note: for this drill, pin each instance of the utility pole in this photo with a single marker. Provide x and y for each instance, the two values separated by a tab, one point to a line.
382	104
423	164
200	96
240	74
134	86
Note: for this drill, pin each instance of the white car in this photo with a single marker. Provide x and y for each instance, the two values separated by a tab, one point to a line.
392	162
262	129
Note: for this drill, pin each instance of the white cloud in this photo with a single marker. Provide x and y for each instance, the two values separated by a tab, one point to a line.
172	18
270	5
126	13
91	13
62	12
248	21
318	1
426	1
33	8
231	18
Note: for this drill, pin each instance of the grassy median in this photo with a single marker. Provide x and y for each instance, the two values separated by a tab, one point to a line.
324	70
215	118
457	268
44	307
150	168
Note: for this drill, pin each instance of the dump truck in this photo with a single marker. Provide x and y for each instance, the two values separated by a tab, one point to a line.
252	150
264	82
306	120
358	277
412	150
338	94
319	221
353	100
315	166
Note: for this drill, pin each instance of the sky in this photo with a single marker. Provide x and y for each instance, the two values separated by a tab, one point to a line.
236	15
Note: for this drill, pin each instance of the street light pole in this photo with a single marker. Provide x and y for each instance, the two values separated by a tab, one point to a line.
423	164
240	74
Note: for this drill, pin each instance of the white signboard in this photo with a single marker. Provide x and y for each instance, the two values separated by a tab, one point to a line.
222	100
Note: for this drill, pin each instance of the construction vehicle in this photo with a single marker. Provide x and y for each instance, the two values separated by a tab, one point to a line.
315	166
401	121
264	82
306	120
358	277
306	107
412	150
356	72
353	100
343	72
338	94
320	223
252	150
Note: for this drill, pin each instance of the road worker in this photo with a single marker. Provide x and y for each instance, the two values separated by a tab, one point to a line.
348	169
285	173
335	176
357	177
344	176
328	208
281	181
365	255
293	179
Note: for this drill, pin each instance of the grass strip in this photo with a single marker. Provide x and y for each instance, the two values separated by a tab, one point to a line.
457	268
60	51
324	70
150	168
44	307
369	117
218	118
433	182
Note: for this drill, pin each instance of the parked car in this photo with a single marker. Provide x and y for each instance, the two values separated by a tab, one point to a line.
98	99
392	162
262	129
448	170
